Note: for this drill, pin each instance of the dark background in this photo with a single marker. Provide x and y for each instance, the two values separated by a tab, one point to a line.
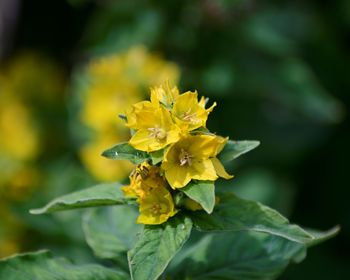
277	69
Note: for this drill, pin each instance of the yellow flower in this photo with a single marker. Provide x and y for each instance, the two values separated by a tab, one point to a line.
164	94
112	83
104	99
190	114
156	130
150	189
142	180
193	157
100	167
156	207
19	138
134	190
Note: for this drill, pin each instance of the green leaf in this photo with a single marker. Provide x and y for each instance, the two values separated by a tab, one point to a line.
202	192
100	195
156	246
321	236
235	255
111	231
236	214
41	266
234	149
124	151
157	156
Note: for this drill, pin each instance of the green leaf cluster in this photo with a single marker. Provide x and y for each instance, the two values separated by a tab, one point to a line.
238	239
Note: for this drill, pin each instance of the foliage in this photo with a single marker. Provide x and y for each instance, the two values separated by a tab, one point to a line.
278	79
168	220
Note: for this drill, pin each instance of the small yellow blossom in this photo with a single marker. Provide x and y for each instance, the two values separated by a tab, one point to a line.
191	158
150	189
164	94
157	130
157	207
190	114
111	84
142	180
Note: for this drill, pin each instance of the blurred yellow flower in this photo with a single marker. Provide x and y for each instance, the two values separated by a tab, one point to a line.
19	137
19	148
33	77
103	101
191	158
99	166
113	83
27	82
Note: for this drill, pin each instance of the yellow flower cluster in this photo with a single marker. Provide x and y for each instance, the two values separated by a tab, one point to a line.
115	82
26	81
175	124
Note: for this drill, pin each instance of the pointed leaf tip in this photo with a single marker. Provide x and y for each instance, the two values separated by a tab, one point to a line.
203	193
234	149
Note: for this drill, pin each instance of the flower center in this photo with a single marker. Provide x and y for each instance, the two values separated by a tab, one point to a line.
155	209
188	117
157	132
185	158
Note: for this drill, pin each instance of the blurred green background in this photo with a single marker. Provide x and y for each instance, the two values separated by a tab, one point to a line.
277	69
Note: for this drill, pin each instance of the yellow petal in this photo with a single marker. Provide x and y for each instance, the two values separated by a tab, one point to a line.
203	170
220	169
128	191
138	110
164	94
188	112
148	116
177	176
206	146
142	141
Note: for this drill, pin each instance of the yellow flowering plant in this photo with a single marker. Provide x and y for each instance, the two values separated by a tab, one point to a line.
174	190
101	89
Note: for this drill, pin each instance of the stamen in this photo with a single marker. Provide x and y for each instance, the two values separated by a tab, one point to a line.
157	133
155	209
188	117
185	158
